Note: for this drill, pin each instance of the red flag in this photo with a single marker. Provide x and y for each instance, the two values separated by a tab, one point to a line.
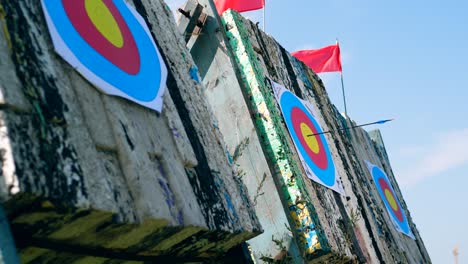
326	59
238	5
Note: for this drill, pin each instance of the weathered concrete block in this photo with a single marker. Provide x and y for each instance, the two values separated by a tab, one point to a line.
235	124
355	226
81	169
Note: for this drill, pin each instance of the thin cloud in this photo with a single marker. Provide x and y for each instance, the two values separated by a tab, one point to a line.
449	151
410	151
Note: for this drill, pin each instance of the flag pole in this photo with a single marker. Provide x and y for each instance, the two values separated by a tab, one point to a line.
342	85
344	96
264	8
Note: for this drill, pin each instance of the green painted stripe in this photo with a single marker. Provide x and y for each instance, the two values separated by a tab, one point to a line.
267	118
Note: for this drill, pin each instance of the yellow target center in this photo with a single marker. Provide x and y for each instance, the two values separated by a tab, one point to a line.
391	199
104	21
311	141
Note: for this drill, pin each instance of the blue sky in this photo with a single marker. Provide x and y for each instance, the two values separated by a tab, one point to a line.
406	60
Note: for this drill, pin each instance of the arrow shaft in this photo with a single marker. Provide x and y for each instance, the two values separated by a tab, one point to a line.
347	128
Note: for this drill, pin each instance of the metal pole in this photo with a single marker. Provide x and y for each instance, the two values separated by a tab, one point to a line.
344	96
264	8
455	254
342	84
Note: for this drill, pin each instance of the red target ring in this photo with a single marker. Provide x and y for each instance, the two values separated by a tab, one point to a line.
123	53
313	145
391	199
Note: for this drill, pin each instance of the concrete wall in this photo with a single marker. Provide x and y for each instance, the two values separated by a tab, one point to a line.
328	227
86	177
225	96
83	171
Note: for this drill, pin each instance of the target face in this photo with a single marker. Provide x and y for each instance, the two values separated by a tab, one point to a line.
312	149
109	43
390	200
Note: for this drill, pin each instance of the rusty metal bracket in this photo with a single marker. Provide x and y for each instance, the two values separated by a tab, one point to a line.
192	19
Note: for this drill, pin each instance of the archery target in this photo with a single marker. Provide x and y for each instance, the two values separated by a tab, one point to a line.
313	150
108	42
392	204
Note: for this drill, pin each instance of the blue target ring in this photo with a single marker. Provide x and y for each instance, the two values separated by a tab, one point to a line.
295	112
133	68
392	204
